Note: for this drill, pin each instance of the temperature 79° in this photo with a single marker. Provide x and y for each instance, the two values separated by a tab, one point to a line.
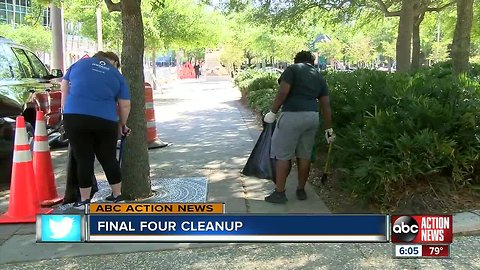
435	250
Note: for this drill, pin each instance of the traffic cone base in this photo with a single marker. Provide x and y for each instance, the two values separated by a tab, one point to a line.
9	219
51	202
157	144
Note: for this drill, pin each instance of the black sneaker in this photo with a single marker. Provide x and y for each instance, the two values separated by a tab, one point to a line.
110	198
117	199
276	197
301	194
81	205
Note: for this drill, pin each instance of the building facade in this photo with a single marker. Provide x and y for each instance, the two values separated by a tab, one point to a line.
15	11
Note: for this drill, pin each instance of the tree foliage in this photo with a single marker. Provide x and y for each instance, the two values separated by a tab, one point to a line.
179	24
246	40
83	13
302	16
35	37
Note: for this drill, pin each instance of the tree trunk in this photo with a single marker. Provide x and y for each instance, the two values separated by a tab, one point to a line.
154	59
461	36
390	64
135	166
404	39
249	57
416	47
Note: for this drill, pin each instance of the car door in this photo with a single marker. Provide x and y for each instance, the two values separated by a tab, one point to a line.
36	81
53	109
27	77
13	94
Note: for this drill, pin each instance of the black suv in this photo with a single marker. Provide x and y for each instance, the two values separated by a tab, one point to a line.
26	85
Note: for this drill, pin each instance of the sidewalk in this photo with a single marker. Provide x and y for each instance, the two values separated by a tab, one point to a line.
211	135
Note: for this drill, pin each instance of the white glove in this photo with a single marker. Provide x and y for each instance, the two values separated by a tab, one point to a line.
270	117
329	135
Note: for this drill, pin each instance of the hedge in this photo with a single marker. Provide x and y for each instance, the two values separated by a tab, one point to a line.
396	130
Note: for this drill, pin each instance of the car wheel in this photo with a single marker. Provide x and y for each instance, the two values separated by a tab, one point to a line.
30	134
61	140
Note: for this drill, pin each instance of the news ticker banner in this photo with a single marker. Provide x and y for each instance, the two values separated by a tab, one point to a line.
208	223
205	223
425	236
237	228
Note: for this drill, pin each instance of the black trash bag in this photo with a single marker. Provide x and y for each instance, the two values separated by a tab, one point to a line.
72	191
259	163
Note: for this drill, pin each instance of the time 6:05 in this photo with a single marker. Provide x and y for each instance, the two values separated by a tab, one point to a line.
408	251
413	250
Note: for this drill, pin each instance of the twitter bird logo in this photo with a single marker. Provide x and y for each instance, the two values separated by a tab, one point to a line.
61	228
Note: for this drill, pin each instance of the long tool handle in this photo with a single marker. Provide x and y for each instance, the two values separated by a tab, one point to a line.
120	152
328	158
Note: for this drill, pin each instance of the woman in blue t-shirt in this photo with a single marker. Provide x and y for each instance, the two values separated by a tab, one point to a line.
92	88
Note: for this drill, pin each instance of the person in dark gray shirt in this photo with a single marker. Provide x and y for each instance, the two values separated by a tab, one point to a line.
302	87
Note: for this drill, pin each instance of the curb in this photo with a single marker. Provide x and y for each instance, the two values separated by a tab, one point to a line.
466	222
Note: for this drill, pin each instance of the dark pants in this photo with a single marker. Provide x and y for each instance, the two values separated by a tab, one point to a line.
92	137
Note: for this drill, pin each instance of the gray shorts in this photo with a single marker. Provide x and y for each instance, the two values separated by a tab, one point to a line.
294	135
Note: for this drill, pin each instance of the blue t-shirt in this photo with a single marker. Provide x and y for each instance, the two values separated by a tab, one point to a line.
95	87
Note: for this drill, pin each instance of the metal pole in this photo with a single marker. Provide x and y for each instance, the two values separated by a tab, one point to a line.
99	29
14	23
58	47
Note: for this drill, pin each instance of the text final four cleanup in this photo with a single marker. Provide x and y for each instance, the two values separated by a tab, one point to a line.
166	225
169	226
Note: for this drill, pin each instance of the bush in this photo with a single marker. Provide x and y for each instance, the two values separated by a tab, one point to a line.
266	81
242	76
261	100
253	80
396	130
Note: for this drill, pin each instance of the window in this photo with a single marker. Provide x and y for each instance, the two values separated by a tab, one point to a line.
22	57
38	67
46	17
3	14
9	66
5	67
18	18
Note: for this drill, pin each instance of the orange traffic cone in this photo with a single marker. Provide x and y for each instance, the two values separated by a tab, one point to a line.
42	165
23	205
152	139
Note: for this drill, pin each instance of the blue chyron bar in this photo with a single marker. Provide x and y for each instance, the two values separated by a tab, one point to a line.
238	228
60	228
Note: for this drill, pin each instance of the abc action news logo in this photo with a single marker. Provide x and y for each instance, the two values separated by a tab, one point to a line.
422	229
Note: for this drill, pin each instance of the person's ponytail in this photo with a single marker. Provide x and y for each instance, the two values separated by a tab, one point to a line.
108	56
